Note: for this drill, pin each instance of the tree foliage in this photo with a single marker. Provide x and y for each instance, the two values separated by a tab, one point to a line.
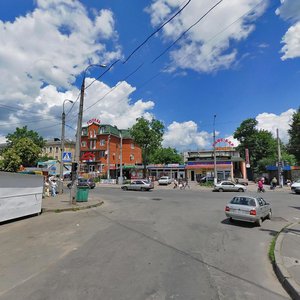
148	136
24	148
294	133
23	132
260	143
165	156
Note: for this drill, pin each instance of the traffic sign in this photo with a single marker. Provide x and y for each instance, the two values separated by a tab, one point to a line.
67	156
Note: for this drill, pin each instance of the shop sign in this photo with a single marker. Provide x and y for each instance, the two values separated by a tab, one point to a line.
222	140
94	120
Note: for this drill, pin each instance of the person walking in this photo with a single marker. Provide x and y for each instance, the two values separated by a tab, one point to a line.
53	185
274	183
260	186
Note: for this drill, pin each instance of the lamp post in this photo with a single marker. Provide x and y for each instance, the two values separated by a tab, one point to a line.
76	165
120	180
215	158
62	146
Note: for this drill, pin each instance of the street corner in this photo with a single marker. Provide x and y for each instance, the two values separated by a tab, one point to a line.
287	259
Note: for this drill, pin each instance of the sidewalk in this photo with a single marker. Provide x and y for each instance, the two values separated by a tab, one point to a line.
287	259
62	202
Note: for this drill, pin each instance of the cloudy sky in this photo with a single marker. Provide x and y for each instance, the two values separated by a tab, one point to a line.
239	61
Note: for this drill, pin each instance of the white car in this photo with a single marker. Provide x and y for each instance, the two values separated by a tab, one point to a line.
295	185
164	180
228	186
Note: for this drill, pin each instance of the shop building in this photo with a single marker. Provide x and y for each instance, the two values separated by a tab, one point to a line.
104	147
229	164
52	148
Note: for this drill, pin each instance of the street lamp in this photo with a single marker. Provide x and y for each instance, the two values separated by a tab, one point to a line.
215	158
62	147
79	129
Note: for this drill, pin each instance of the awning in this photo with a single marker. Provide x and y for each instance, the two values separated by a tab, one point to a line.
208	167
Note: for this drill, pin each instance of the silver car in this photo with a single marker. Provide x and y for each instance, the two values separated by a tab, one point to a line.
229	186
138	185
248	209
164	180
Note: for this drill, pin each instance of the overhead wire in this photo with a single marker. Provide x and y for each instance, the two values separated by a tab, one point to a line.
156	31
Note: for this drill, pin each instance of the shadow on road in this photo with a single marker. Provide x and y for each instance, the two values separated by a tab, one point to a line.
238	223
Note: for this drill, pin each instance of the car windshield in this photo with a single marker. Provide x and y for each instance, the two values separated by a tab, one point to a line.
243	201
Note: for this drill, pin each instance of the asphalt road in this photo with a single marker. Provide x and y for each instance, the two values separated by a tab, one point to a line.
163	244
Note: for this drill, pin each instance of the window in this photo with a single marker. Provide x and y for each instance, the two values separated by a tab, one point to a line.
101	130
56	149
132	146
102	142
83	144
50	149
84	131
131	157
102	153
243	201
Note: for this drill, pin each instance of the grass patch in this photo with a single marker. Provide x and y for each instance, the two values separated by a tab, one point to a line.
272	248
207	184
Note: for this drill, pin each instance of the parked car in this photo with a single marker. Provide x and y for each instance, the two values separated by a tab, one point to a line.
88	182
138	185
229	186
164	180
248	209
297	190
241	181
295	185
206	179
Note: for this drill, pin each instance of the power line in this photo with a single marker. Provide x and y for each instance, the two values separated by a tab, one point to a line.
157	30
181	36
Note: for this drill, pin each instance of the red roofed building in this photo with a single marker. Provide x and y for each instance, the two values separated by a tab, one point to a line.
101	147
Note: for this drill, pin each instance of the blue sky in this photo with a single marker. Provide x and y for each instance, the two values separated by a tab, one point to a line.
242	60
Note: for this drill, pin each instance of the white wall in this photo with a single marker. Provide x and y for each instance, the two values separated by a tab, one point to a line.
20	195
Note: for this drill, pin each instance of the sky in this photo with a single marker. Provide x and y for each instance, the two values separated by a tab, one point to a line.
215	64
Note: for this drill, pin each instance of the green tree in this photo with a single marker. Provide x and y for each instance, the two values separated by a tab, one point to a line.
23	132
260	143
148	136
11	160
293	146
165	156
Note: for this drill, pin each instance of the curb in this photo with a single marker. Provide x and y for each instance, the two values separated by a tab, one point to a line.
283	275
74	208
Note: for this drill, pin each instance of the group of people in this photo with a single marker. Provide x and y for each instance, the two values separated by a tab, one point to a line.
50	186
182	184
261	181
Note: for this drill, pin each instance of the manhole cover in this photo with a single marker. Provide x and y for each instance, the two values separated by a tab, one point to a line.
156	199
278	219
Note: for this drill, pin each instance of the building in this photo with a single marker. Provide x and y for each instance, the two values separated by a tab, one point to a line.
52	148
229	164
103	147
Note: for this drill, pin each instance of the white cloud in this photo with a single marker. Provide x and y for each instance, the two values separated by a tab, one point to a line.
185	136
290	10
205	48
39	48
270	122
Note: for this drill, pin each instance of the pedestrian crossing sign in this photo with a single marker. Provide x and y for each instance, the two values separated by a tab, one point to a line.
67	156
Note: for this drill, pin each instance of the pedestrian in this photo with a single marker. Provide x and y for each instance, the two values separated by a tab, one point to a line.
53	185
273	183
46	187
260	186
175	184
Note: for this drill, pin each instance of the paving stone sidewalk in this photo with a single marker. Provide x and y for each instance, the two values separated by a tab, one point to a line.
287	259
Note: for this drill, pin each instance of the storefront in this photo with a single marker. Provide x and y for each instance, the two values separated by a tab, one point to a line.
171	170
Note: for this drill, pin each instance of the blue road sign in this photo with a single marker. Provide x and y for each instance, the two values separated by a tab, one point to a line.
67	156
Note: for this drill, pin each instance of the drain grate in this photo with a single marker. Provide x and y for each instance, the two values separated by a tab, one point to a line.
278	219
156	199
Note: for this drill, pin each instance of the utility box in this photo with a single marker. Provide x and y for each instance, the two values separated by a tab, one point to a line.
82	194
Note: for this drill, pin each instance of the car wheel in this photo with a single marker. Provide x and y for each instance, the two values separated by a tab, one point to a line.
259	222
69	185
124	188
220	190
269	216
231	220
143	189
240	190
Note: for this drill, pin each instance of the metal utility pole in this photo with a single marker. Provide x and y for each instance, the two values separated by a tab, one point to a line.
121	159
62	147
215	157
76	166
279	163
108	156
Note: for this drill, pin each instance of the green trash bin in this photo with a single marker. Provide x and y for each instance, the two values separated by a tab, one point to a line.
82	194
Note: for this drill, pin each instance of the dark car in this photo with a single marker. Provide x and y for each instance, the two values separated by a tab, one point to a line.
88	182
206	179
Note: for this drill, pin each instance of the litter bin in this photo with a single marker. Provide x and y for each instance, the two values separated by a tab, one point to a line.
82	194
